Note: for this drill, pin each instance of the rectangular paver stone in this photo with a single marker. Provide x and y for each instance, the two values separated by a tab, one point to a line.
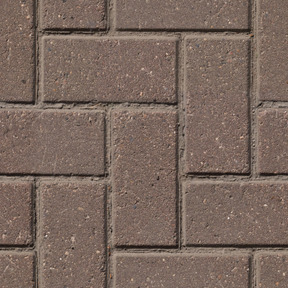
72	235
216	96
15	213
109	70
49	142
144	177
67	14
16	51
182	14
236	213
273	141
178	271
272	270
273	45
16	270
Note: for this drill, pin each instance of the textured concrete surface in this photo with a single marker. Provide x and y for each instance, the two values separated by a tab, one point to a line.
143	143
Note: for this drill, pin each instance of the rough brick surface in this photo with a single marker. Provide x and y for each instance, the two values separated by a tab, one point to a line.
72	235
216	91
16	270
109	70
273	141
84	14
48	142
16	51
273	45
177	271
144	177
236	213
16	213
273	270
183	14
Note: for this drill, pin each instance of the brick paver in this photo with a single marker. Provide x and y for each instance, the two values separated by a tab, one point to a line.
16	270
236	213
72	237
144	175
273	270
49	142
16	213
273	46
84	14
273	141
183	14
216	84
177	271
16	51
112	70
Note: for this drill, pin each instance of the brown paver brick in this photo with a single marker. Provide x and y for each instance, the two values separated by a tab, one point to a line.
109	70
182	14
49	142
15	213
144	177
216	91
177	271
16	51
273	141
16	270
85	14
72	235
273	270
236	213
273	42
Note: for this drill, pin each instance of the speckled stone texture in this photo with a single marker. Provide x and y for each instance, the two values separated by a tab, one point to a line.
178	271
16	270
236	213
16	51
72	235
112	70
273	270
182	14
81	14
216	98
273	47
273	141
49	142
16	213
144	177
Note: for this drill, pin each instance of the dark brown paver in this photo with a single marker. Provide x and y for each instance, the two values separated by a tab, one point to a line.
15	213
273	270
49	142
178	271
87	14
273	141
109	70
16	270
236	213
216	92
144	177
16	51
72	235
273	43
181	14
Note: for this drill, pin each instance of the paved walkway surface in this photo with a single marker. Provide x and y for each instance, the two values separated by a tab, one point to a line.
143	143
